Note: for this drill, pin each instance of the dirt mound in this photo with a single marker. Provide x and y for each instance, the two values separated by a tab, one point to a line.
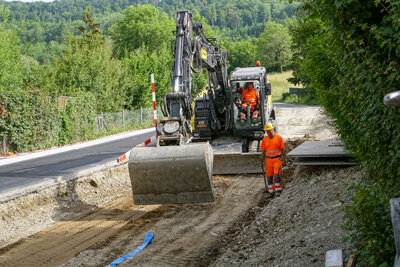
297	228
23	216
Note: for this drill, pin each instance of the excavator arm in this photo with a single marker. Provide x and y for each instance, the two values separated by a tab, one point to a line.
192	54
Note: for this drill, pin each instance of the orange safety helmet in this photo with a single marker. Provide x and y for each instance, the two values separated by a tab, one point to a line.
258	64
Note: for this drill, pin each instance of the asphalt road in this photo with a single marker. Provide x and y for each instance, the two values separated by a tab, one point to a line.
29	172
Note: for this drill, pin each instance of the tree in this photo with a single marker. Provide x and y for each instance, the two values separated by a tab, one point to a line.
141	26
241	54
10	56
305	33
86	65
274	46
141	64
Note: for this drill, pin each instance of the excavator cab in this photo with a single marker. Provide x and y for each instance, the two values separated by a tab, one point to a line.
245	112
247	125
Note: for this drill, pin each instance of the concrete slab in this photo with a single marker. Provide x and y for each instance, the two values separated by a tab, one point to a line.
327	148
318	162
334	258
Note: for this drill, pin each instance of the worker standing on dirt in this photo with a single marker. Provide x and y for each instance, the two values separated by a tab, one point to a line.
251	99
274	158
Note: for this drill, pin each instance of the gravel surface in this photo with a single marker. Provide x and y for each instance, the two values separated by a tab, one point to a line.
242	227
297	228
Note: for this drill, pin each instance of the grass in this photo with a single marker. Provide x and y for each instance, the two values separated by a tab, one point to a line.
279	84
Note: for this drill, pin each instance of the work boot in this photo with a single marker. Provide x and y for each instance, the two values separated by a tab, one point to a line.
278	193
270	195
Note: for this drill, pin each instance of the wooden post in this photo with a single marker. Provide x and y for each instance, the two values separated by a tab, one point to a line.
4	146
104	122
98	122
101	120
123	118
141	115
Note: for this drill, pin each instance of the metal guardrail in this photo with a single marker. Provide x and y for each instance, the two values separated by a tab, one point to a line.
106	121
393	100
124	118
395	212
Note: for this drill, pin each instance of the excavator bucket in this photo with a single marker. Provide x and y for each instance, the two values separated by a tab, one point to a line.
229	159
171	174
236	163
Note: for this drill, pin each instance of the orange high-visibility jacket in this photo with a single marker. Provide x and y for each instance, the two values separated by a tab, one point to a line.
272	147
250	96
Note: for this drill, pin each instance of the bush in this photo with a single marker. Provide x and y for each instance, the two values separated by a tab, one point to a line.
31	121
35	121
351	56
288	98
78	120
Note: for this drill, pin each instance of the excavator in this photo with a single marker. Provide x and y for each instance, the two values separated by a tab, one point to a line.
179	168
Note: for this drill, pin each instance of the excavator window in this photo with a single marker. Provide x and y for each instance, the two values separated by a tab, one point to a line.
237	93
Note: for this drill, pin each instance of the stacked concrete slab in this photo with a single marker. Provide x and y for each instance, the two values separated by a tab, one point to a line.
321	153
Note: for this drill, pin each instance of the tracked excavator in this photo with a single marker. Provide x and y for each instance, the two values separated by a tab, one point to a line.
179	168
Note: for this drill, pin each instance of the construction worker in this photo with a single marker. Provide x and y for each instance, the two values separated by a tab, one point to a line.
274	158
251	99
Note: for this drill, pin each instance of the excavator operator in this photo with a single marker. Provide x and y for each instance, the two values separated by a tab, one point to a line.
250	99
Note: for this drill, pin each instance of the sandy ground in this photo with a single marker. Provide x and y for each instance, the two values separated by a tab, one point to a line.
92	221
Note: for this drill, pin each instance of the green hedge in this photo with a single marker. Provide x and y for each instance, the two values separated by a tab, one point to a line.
78	120
34	121
352	55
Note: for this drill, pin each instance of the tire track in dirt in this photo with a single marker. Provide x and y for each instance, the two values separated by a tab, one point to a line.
187	234
64	240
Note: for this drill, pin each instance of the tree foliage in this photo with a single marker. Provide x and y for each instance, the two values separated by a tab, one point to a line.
86	65
351	57
141	64
241	54
10	55
141	26
274	46
235	19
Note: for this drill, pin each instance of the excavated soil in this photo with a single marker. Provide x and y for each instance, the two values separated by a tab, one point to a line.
92	221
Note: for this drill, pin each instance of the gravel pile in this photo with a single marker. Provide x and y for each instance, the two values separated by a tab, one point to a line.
297	228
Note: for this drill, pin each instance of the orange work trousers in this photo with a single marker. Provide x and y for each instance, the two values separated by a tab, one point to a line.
273	166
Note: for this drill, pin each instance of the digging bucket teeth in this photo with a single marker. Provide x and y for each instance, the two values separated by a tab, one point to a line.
236	162
171	174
